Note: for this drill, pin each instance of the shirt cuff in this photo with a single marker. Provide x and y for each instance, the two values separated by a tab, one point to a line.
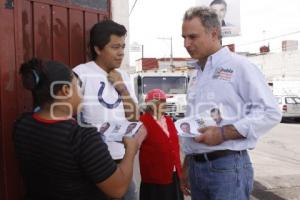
242	127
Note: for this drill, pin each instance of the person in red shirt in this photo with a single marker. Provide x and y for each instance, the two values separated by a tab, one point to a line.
159	153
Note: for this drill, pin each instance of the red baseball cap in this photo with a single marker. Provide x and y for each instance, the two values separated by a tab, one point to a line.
156	94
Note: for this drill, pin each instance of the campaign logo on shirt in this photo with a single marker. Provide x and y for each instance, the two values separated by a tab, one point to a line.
223	74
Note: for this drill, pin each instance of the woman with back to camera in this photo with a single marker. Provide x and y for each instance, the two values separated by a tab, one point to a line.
58	158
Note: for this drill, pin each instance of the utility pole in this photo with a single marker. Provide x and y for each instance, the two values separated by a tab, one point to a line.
171	48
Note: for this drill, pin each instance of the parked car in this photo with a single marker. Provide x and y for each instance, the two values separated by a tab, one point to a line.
290	107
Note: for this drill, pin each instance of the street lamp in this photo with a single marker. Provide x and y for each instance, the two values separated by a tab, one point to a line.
171	48
136	47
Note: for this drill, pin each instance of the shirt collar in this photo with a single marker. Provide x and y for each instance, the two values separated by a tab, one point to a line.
197	65
98	68
218	56
215	58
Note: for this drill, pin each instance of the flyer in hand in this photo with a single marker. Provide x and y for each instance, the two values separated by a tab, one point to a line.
189	126
115	131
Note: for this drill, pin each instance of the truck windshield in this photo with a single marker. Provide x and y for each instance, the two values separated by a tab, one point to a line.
169	84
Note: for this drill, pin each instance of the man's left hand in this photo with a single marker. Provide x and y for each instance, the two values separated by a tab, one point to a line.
210	135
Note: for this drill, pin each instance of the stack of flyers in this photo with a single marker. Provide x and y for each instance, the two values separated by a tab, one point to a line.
189	126
115	131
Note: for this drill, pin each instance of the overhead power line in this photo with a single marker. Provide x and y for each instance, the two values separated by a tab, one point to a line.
132	7
270	38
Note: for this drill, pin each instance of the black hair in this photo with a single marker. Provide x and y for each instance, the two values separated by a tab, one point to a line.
184	123
100	35
215	110
218	2
38	75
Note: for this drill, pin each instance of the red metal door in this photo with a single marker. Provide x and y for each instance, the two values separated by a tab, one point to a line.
47	29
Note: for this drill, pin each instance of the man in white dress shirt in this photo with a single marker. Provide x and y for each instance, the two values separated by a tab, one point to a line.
217	164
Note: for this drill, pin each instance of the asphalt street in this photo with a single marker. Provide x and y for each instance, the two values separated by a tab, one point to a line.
276	162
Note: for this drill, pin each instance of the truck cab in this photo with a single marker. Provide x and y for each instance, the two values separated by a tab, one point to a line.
173	83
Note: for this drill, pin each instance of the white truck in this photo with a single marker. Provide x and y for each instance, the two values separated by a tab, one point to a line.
287	93
173	83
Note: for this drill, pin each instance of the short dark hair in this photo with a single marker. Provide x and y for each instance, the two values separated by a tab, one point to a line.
100	35
218	2
184	123
38	75
215	110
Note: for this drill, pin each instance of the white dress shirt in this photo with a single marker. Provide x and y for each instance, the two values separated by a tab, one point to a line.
239	90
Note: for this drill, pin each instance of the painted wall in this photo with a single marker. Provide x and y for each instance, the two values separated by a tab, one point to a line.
120	14
279	66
